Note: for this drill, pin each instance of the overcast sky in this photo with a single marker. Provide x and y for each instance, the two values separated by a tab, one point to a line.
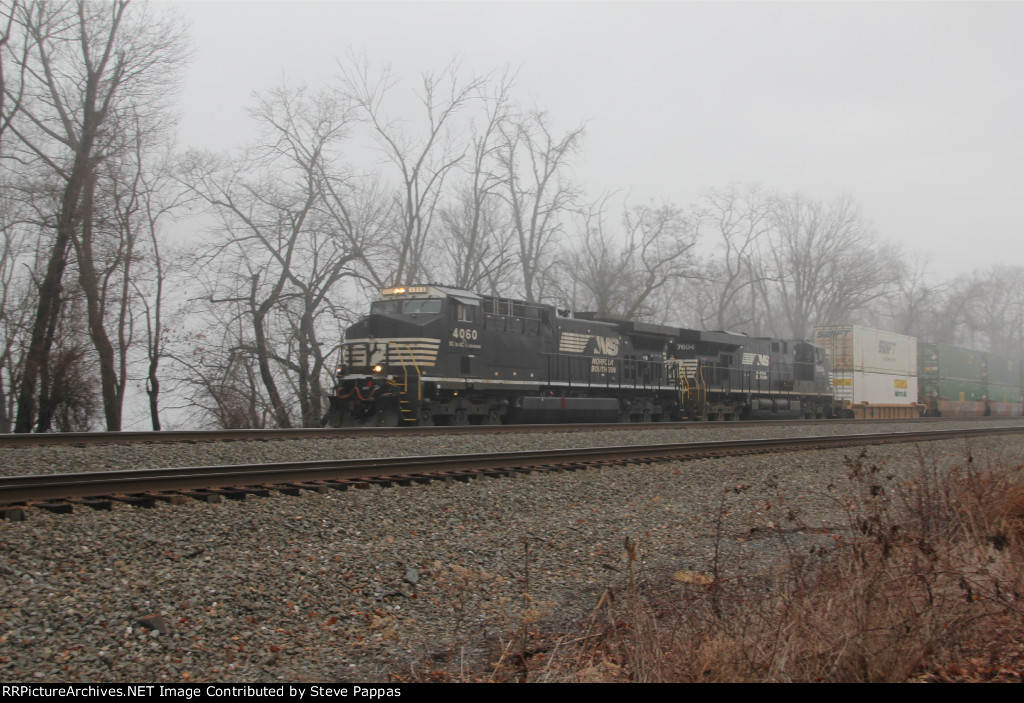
914	109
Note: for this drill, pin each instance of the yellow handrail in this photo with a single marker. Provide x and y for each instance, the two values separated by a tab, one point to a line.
405	375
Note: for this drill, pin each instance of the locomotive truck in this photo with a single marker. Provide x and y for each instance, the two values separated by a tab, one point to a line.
435	355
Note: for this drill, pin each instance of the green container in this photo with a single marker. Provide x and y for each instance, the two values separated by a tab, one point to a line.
1003	394
1003	371
944	389
948	363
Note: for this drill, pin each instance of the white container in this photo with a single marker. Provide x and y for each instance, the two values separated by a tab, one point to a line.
853	349
858	387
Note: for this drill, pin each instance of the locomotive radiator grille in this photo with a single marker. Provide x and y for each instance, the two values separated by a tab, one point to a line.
688	367
573	342
418	351
578	343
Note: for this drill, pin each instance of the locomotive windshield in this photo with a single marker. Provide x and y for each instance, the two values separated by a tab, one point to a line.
385	307
421	306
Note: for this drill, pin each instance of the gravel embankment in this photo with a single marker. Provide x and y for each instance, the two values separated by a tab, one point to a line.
357	585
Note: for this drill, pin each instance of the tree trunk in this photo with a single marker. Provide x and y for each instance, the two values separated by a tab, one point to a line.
89	280
47	313
259	313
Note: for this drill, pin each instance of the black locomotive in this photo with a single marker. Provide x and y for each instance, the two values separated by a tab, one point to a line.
438	355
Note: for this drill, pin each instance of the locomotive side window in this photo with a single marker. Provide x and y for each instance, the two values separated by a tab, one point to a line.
463	313
505	307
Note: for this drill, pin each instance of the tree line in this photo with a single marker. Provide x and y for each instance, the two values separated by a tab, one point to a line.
216	286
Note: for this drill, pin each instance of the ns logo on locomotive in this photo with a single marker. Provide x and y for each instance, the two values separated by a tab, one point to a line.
434	355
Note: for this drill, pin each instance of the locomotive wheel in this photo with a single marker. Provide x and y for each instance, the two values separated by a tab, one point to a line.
426	418
460	417
491	418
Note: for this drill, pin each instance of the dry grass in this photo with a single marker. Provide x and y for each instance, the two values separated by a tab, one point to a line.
925	582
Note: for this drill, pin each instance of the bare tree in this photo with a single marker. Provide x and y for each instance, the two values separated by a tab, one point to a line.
423	161
72	388
738	219
477	244
477	236
151	294
826	263
915	305
292	227
15	297
68	384
360	212
620	273
82	65
9	101
130	267
992	305
216	372
261	223
533	160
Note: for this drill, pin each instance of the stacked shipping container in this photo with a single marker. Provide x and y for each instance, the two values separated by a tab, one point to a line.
956	381
874	373
1004	385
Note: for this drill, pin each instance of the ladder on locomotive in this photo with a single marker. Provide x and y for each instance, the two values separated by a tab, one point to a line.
693	389
409	403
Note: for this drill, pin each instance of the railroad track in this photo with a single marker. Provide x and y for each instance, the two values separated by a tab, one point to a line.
195	436
59	492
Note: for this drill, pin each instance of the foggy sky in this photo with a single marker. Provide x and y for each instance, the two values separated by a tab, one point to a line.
915	109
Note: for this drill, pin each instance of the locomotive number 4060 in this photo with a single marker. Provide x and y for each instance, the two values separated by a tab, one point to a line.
463	333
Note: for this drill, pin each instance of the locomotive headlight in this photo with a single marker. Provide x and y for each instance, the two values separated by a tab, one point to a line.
378	368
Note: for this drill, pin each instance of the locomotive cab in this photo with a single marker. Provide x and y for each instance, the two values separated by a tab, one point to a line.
388	354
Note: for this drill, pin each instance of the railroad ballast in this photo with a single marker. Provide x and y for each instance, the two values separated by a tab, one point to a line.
430	354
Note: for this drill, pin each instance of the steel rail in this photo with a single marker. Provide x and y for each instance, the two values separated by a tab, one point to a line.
47	487
194	436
